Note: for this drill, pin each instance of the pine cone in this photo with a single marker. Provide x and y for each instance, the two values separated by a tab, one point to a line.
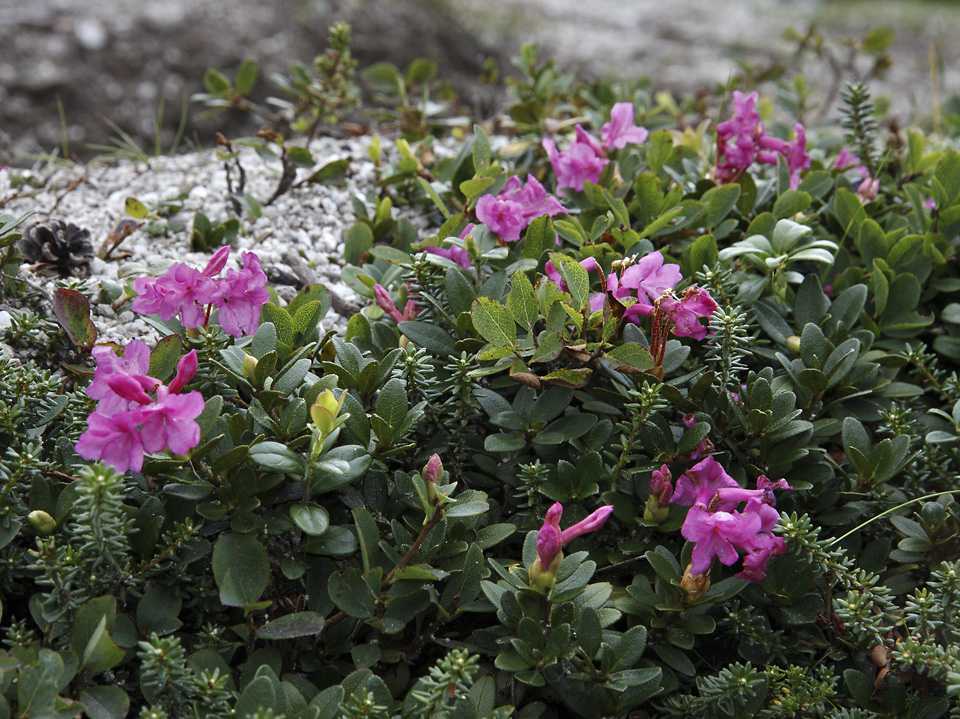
55	245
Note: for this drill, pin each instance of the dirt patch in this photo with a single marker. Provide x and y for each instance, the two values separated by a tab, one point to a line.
113	61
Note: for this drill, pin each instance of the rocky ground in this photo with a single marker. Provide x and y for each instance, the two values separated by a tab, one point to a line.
112	61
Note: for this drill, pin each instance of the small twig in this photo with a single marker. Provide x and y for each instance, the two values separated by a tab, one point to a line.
73	186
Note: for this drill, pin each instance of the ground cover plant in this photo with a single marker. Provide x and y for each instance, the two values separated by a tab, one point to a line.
658	418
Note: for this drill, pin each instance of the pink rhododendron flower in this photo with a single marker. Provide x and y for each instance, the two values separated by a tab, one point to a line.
650	278
181	290
795	153
718	529
699	484
114	439
240	296
620	131
736	138
453	252
186	369
517	205
717	534
139	422
504	217
645	281
660	485
135	361
582	161
189	293
532	197
169	422
868	189
742	140
685	313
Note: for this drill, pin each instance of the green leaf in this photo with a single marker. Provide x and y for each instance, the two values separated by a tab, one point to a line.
494	322
481	148
292	626
246	77
157	611
391	255
472	189
278	457
88	617
100	652
72	310
352	594
308	316
259	693
849	211
105	702
215	82
947	173
282	322
521	301
164	357
719	201
659	149
664	564
540	236
332	171
136	209
357	241
790	203
241	568
369	536
630	355
392	403
38	685
335	542
312	519
703	253
430	336
574	378
576	277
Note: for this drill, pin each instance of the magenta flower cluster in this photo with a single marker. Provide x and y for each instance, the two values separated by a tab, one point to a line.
137	413
190	293
585	157
582	161
509	213
650	282
742	140
716	525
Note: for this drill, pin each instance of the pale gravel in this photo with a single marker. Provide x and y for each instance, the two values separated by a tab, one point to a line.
310	220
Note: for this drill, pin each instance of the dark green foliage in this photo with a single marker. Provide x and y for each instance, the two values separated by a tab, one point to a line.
305	561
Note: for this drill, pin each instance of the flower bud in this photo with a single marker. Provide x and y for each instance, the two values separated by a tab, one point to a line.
470	243
249	366
661	490
543	578
695	584
433	470
325	412
42	522
793	344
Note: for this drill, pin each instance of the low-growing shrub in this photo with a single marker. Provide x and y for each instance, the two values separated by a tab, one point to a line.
652	422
